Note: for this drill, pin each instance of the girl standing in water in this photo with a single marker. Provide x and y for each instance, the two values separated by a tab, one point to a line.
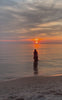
35	55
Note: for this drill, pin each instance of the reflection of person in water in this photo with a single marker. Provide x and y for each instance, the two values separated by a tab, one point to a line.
35	67
35	55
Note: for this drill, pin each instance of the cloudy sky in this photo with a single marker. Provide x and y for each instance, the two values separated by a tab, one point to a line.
28	19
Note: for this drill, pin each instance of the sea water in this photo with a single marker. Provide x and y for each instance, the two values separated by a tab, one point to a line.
16	60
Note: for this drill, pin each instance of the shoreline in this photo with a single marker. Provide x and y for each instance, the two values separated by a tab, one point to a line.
24	77
32	88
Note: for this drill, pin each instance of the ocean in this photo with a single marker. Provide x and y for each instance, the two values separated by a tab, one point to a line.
16	60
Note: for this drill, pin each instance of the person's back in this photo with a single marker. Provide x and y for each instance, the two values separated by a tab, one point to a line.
35	55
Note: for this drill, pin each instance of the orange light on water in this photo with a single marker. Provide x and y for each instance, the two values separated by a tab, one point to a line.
36	45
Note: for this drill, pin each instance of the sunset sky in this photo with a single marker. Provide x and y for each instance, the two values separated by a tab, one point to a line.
22	20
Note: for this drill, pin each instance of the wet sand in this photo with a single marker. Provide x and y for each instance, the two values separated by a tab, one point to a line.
32	88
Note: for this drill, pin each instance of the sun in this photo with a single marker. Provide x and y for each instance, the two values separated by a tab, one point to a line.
36	40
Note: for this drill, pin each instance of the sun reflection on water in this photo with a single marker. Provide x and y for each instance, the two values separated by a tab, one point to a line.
36	46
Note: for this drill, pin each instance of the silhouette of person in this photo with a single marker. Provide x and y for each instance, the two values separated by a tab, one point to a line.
35	55
35	67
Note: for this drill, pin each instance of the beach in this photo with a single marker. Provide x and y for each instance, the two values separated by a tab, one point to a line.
32	88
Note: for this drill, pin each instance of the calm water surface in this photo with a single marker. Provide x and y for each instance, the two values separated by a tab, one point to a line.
16	60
